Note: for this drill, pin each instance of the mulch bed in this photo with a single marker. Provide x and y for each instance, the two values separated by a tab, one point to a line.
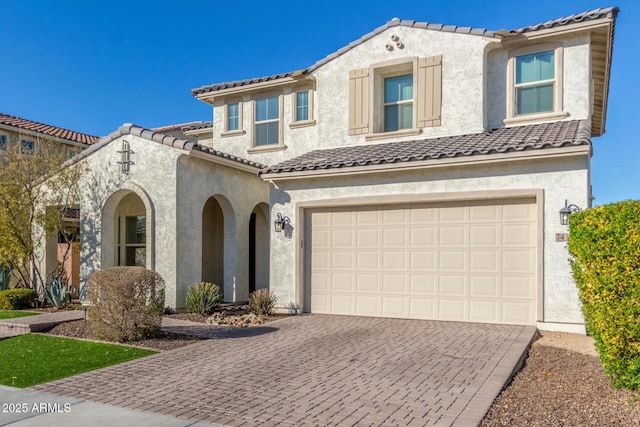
82	329
558	387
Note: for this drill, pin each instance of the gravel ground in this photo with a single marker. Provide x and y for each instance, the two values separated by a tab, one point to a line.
563	384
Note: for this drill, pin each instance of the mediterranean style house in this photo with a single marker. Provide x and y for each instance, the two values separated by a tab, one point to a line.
418	172
17	133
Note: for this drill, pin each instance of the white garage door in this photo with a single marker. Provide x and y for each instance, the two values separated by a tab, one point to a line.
473	262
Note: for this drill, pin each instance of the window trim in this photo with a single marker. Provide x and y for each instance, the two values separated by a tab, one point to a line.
6	142
270	147
240	130
380	72
558	90
310	121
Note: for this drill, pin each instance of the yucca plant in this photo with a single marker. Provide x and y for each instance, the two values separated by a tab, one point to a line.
203	298
58	293
262	302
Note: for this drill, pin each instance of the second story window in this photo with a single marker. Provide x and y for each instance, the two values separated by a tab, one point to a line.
398	103
4	142
233	117
302	106
27	146
267	121
535	82
70	152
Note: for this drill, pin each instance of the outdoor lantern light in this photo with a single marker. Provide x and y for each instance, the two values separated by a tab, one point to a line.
566	211
125	157
280	222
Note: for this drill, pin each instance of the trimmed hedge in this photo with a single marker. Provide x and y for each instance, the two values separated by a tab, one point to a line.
126	303
17	299
605	245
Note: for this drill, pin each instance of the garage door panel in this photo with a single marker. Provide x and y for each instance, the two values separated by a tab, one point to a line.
422	215
517	287
394	306
368	217
452	309
368	305
517	235
395	237
484	213
488	261
452	260
483	311
484	235
395	260
394	284
342	259
518	261
518	313
423	260
368	283
452	236
422	284
343	282
368	260
342	238
422	308
368	237
484	286
421	237
471	261
452	284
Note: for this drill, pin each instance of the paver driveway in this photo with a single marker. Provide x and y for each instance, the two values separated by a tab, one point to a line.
320	370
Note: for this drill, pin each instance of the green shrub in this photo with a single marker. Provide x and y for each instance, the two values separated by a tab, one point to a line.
17	299
262	302
125	303
203	298
605	245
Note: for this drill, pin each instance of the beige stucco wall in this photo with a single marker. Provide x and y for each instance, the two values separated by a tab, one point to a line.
576	79
153	177
238	193
558	179
177	187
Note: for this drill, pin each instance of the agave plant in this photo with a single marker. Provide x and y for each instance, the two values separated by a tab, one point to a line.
58	293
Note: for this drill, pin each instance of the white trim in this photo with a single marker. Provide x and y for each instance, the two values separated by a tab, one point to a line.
572	328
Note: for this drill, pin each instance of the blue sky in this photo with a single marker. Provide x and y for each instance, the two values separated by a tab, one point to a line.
92	66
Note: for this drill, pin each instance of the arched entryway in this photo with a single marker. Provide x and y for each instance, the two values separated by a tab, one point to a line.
213	243
127	229
259	248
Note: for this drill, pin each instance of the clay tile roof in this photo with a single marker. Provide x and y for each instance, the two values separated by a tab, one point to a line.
503	140
53	131
161	138
179	126
201	125
238	83
609	12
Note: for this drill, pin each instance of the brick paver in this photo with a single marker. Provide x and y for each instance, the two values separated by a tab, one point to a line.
319	370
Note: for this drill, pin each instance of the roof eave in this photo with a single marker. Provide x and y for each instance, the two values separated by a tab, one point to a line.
509	38
584	149
23	131
222	161
211	96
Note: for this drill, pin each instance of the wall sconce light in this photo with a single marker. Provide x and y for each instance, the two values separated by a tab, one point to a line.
566	211
280	222
125	157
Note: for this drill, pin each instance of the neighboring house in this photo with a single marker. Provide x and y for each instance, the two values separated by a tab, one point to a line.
418	172
21	134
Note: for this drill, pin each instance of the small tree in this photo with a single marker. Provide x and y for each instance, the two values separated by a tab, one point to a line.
36	191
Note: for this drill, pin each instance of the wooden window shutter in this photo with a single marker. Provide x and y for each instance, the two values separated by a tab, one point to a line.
359	101
429	94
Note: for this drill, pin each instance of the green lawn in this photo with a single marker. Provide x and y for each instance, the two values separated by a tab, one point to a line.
33	359
12	314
